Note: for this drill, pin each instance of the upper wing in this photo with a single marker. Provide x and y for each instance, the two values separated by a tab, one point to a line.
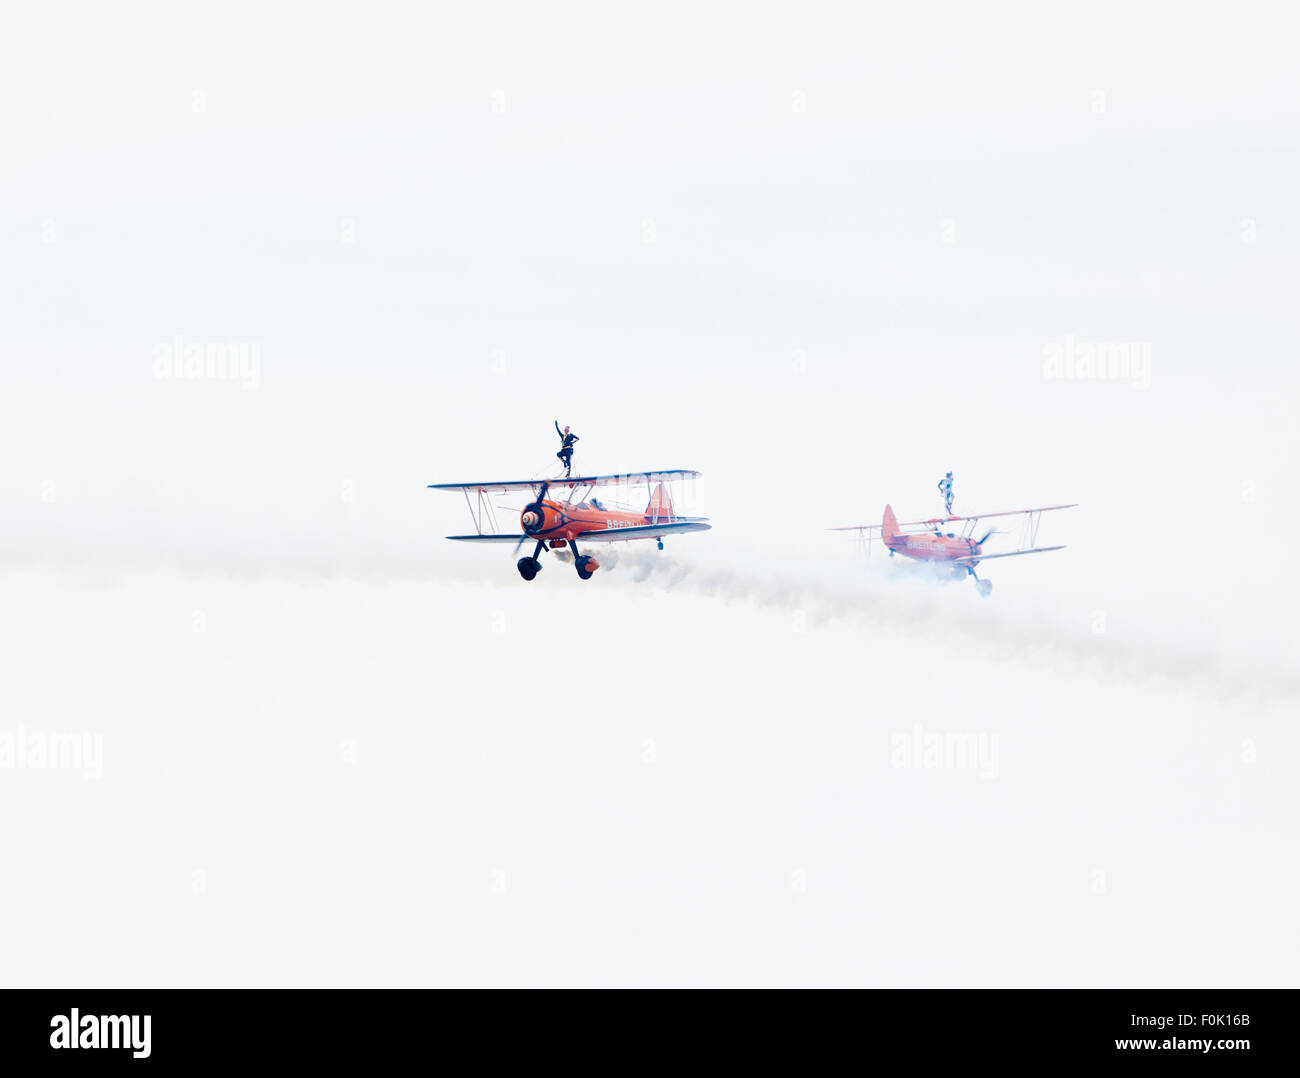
983	516
1009	554
948	520
643	531
572	481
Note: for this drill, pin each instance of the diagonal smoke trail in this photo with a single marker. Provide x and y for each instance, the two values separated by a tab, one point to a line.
910	604
917	607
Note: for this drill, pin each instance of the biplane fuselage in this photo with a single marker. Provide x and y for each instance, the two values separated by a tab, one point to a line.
559	523
933	546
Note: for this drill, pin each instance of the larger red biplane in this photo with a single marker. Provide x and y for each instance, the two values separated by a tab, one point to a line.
553	523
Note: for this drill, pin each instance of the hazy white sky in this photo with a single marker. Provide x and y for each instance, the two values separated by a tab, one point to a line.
822	253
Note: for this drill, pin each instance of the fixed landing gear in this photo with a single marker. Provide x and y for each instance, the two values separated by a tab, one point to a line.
984	587
661	543
530	567
583	563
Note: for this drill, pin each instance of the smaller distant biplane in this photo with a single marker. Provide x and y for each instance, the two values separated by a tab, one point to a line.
556	523
960	550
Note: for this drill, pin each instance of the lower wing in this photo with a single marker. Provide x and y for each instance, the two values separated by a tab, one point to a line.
1009	554
606	535
646	531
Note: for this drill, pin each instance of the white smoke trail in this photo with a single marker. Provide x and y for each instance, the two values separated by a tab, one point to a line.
917	604
911	602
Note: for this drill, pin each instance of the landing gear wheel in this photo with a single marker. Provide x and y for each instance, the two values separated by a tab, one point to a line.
984	587
581	564
661	544
528	567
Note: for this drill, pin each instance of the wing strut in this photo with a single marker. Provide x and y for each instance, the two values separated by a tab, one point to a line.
481	511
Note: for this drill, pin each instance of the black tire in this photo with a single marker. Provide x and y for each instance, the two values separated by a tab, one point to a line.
581	565
528	567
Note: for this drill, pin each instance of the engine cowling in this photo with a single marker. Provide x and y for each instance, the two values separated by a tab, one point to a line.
537	518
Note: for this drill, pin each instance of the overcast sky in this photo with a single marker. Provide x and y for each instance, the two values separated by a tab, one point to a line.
821	253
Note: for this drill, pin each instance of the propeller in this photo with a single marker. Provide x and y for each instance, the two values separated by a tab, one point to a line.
533	509
984	539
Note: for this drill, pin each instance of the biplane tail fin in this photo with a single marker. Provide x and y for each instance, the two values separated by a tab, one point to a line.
661	505
889	526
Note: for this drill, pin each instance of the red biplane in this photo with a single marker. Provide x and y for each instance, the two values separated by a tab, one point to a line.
960	550
553	523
